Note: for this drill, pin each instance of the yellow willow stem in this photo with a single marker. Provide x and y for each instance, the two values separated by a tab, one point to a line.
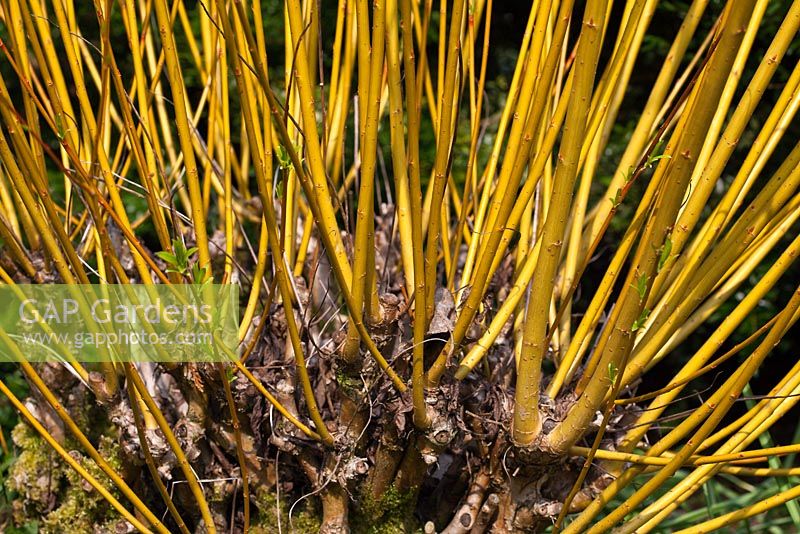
237	433
272	400
765	237
230	236
524	127
16	221
48	331
707	417
700	372
578	484
337	71
499	144
731	88
16	29
482	346
192	176
143	92
629	313
206	153
262	320
421	419
328	237
26	159
365	237
74	464
15	249
743	471
51	399
340	99
694	460
138	408
541	168
600	103
527	424
320	193
738	274
50	67
760	151
364	65
761	471
742	514
258	277
711	412
444	216
630	62
21	186
282	271
647	122
155	65
398	146
423	74
89	119
653	514
16	127
572	241
528	227
613	81
127	232
199	64
145	159
108	116
191	477
289	177
591	318
261	51
779	399
510	174
540	165
440	166
772	405
712	269
474	117
305	240
709	174
471	174
441	61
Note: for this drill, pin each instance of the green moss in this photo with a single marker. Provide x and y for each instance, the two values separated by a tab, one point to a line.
74	515
350	385
50	491
305	516
82	509
393	513
35	477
